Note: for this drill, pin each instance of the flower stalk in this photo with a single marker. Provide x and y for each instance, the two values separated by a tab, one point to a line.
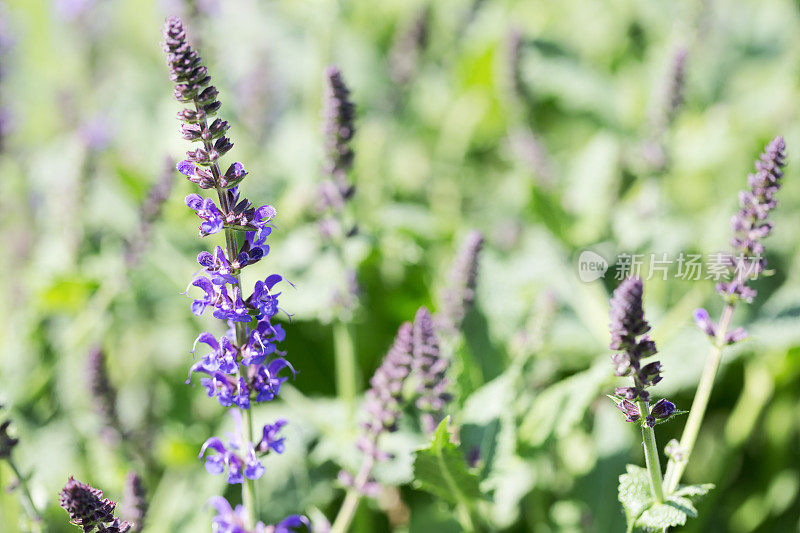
677	464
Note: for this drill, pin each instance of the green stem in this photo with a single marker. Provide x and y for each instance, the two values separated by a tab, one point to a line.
249	485
346	368
675	468
30	507
350	504
651	456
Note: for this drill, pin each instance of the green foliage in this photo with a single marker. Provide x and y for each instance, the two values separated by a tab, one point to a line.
643	512
441	469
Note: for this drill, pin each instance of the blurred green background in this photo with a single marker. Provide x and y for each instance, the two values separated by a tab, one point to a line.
548	155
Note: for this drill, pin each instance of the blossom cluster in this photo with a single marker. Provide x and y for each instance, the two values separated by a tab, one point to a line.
242	366
750	225
88	509
412	372
628	335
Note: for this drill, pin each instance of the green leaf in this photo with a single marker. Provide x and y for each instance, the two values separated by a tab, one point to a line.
637	499
440	468
634	491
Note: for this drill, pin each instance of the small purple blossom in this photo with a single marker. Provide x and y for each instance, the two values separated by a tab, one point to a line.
216	266
704	322
661	410
234	520
207	210
238	458
269	438
630	410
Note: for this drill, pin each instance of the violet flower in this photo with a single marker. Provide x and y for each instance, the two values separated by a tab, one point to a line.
104	394
134	501
459	293
383	407
149	213
88	509
234	520
241	367
751	225
239	463
628	335
409	45
336	191
430	370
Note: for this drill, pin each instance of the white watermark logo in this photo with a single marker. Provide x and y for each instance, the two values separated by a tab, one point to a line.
719	267
591	266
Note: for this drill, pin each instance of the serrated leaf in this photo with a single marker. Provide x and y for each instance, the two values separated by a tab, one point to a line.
634	491
636	497
693	492
440	468
664	515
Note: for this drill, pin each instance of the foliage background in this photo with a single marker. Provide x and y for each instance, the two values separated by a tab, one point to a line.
93	120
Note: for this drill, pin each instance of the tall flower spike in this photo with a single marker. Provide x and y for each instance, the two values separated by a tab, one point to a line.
408	47
430	370
104	394
628	328
88	509
149	213
675	86
383	406
193	85
242	367
134	501
459	294
751	225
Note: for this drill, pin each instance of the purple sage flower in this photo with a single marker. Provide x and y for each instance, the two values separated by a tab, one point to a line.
628	335
243	365
459	294
104	394
134	501
430	370
383	407
751	225
409	45
234	520
88	509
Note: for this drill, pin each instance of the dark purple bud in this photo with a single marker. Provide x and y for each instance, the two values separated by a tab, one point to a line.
88	509
737	335
704	322
627	393
662	409
630	410
7	442
627	314
235	174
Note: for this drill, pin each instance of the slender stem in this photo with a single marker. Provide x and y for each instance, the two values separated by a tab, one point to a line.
249	485
350	504
232	249
346	369
30	507
675	468
651	456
